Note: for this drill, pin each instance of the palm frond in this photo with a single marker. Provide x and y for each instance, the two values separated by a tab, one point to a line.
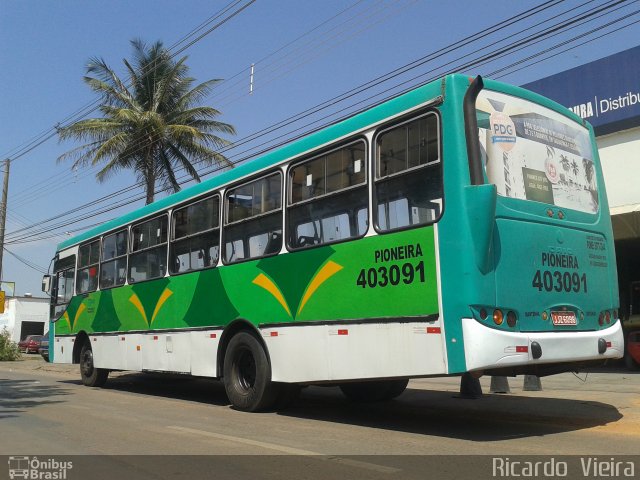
152	127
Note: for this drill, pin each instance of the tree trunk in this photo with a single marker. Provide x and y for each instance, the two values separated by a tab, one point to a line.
150	176
151	187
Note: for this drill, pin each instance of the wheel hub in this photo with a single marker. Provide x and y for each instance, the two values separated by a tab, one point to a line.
246	366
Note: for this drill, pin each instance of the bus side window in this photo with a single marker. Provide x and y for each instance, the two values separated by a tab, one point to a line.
408	187
253	226
328	198
88	260
113	267
195	240
148	257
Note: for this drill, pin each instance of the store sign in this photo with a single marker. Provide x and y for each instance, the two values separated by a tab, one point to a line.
606	92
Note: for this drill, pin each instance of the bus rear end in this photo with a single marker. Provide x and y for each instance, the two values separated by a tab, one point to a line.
545	297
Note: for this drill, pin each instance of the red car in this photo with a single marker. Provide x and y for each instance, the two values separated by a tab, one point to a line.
31	344
632	356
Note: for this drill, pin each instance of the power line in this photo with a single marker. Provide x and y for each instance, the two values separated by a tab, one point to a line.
45	136
26	194
26	262
245	142
496	54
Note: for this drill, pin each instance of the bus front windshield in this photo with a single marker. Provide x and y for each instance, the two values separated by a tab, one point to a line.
533	153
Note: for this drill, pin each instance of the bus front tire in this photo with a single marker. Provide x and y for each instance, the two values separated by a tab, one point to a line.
91	376
247	374
376	391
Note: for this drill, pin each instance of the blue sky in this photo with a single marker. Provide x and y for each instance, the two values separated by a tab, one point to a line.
46	45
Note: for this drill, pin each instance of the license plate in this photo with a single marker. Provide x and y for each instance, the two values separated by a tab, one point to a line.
564	318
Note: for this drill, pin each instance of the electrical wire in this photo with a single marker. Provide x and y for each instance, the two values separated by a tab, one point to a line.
93	106
502	52
26	262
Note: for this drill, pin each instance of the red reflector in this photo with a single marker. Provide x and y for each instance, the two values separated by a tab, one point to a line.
608	344
273	334
155	337
213	335
433	330
522	349
343	332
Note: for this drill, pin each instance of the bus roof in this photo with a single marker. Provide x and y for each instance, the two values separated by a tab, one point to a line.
310	142
340	129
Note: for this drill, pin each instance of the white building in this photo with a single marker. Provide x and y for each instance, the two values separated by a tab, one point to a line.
25	316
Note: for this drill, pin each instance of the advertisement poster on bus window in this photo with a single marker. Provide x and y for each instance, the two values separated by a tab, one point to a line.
533	153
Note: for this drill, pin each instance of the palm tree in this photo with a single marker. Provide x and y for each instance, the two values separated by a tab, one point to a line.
564	161
151	123
575	169
588	171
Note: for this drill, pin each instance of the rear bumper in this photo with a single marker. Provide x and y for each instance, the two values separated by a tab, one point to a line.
486	347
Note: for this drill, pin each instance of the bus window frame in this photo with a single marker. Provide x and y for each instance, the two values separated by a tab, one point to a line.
88	266
314	156
65	268
225	213
395	123
125	228
131	252
171	233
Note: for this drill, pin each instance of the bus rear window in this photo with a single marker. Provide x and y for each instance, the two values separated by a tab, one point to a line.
533	153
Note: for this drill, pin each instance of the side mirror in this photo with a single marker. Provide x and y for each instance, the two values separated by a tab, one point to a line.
46	284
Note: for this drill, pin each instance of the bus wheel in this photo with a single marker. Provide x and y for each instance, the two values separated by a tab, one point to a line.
377	391
247	374
91	376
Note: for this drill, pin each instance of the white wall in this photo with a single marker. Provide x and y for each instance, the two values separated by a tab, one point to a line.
24	309
620	157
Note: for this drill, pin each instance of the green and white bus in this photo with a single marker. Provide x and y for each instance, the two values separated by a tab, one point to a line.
461	227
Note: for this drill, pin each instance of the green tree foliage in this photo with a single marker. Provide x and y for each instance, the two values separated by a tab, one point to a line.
152	123
8	350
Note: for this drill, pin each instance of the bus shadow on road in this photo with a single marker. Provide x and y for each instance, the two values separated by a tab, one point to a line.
175	386
18	395
444	414
425	412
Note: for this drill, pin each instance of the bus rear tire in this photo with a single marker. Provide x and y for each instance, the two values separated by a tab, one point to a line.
376	391
90	375
247	374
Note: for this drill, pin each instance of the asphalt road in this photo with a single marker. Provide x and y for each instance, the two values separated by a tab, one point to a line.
44	410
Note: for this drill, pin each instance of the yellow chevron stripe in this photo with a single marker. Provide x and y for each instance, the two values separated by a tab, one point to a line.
163	298
136	303
66	317
81	309
265	282
327	271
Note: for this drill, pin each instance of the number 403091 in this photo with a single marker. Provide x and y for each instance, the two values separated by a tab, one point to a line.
559	281
392	275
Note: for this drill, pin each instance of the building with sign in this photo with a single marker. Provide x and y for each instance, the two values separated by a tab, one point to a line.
606	93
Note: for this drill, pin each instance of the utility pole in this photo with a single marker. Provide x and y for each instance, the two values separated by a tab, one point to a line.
3	209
